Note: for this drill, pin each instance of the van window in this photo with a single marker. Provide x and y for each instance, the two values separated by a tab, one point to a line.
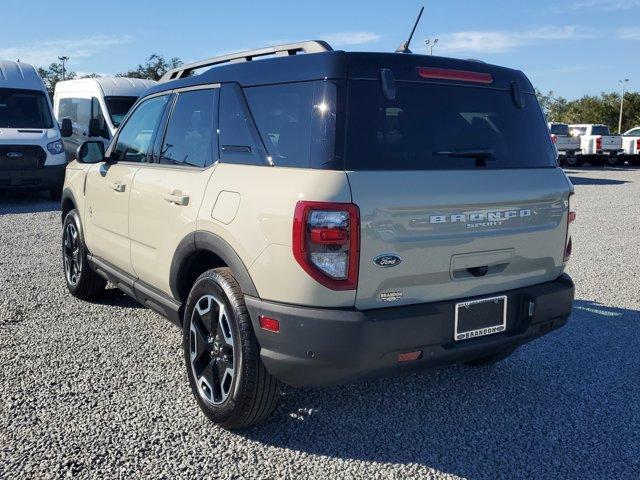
76	109
24	109
297	122
119	107
239	142
441	126
191	137
136	135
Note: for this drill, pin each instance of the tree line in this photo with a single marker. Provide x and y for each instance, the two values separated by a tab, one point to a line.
603	108
153	68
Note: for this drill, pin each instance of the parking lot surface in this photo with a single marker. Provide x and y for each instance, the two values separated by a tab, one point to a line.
100	389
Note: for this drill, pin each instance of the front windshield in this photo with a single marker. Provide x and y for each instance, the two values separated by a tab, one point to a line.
24	109
119	107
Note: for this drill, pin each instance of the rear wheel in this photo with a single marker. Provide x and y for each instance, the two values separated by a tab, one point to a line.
614	160
572	161
491	359
227	376
81	281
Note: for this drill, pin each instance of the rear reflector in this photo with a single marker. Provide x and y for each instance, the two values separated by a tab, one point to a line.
449	74
409	356
269	324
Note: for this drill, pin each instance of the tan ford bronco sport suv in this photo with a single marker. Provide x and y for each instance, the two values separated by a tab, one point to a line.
323	216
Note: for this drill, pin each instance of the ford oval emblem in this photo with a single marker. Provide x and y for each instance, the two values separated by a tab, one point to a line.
14	154
387	260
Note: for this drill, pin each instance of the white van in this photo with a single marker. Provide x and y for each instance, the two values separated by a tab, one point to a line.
92	108
31	150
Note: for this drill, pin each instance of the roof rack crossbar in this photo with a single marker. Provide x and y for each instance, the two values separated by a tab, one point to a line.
310	46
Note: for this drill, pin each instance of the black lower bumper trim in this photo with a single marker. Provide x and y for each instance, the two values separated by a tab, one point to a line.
319	347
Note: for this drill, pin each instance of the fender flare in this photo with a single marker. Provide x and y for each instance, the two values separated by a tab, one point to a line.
210	242
67	194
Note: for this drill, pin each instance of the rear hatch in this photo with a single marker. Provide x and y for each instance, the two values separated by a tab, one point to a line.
565	143
457	185
611	142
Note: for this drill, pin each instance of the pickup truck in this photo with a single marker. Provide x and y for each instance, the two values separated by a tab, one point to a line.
631	145
597	144
566	144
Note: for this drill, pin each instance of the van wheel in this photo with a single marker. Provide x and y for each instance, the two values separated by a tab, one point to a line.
81	281
572	161
491	359
222	356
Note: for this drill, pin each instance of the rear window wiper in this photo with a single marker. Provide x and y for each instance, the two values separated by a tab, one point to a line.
469	153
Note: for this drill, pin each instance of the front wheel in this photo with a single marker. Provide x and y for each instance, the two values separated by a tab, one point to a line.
81	281
222	356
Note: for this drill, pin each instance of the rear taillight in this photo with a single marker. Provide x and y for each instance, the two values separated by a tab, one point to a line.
568	244
599	143
554	138
326	242
638	145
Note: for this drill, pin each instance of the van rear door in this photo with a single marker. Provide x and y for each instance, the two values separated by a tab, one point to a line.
458	181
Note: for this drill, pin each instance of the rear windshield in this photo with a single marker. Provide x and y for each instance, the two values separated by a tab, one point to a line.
560	129
119	107
600	130
439	126
24	109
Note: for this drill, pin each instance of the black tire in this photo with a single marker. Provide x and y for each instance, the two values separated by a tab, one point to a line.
491	359
572	161
614	160
244	393
635	160
81	281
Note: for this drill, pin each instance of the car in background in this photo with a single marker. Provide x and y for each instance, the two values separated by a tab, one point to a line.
566	144
31	150
631	145
92	108
597	144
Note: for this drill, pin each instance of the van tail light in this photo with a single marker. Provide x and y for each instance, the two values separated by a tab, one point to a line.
554	138
326	242
599	143
568	244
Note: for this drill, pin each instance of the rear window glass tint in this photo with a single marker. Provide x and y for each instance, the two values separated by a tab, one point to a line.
600	130
427	126
297	122
191	133
560	129
239	143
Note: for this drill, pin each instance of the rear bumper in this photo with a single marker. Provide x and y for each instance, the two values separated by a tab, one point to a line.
319	347
36	178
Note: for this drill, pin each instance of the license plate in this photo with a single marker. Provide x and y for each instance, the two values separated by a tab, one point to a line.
477	318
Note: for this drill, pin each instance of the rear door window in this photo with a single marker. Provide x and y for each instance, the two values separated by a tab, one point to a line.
191	137
441	127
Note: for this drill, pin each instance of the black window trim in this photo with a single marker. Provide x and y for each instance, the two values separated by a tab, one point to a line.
134	108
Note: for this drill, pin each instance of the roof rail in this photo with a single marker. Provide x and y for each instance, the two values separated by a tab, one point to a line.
310	46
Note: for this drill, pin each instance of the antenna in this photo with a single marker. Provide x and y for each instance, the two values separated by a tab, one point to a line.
404	46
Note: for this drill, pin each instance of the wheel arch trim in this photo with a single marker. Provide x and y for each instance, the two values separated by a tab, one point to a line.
209	242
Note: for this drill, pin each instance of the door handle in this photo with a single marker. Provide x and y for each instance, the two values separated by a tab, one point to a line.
118	187
177	198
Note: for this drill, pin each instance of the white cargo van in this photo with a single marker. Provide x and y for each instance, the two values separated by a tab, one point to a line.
31	151
92	108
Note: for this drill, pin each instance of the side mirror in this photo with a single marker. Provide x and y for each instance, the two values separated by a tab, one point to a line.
94	128
90	152
66	129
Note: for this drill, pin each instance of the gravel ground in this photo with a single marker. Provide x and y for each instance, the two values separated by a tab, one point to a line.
100	389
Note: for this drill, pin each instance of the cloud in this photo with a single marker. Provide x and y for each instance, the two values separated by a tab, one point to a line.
606	5
499	41
43	53
350	38
628	33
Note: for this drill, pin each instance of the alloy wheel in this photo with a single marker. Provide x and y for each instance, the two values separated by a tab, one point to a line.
72	255
211	349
